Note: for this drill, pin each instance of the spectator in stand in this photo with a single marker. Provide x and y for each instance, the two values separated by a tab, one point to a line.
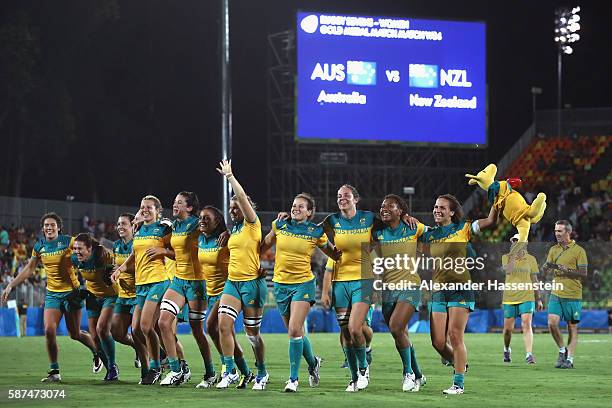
85	224
22	308
4	239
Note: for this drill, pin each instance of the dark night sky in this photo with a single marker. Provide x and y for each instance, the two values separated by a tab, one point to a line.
124	95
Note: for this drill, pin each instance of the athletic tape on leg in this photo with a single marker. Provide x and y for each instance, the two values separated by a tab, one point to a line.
228	310
253	322
197	316
343	318
169	306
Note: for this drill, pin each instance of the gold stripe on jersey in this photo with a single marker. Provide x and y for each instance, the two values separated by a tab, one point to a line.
214	261
55	257
295	243
150	270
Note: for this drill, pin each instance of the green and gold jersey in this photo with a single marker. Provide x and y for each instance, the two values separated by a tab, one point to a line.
93	271
574	257
184	241
127	279
350	235
150	270
524	268
214	261
55	257
401	241
448	246
295	243
244	251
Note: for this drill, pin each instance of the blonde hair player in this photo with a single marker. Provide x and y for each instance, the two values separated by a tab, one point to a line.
150	247
520	269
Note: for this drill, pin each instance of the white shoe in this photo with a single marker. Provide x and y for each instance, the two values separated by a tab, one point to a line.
97	364
53	376
174	379
363	380
291	386
261	382
228	379
313	373
207	382
418	383
453	390
408	383
186	373
352	387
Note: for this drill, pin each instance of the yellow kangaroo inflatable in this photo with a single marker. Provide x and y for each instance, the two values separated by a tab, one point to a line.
509	202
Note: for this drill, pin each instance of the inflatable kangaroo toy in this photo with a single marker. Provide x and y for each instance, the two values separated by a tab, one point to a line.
510	202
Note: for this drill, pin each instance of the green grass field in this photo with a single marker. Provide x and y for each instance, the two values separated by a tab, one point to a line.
489	383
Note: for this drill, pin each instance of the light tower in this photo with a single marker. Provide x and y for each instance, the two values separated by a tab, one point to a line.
566	33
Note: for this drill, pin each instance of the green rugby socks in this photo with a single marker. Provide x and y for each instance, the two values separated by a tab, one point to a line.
406	357
296	349
414	364
352	361
308	353
108	347
360	352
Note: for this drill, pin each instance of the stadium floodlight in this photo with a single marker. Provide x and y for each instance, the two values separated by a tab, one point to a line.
565	33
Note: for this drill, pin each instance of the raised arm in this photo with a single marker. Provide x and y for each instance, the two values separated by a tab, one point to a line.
225	168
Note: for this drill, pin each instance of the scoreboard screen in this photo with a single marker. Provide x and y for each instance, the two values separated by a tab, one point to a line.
372	78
